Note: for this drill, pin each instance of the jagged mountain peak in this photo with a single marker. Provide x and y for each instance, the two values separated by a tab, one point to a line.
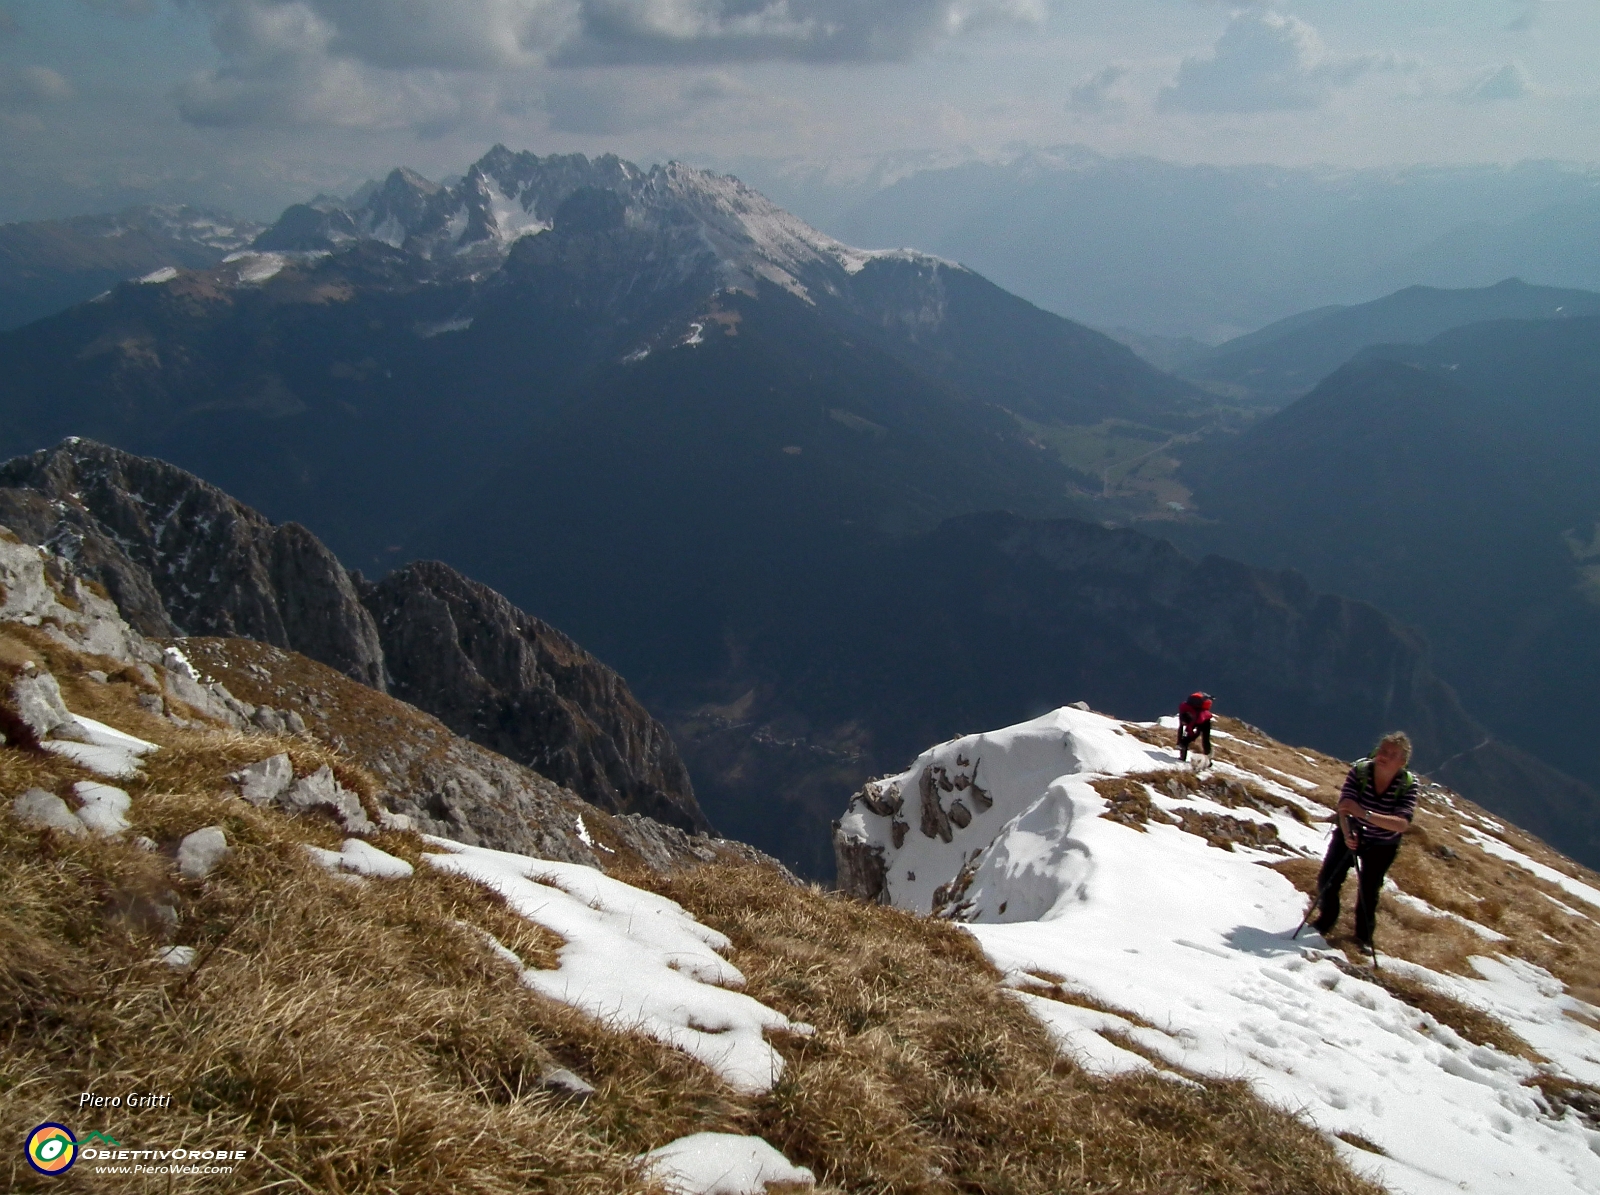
507	195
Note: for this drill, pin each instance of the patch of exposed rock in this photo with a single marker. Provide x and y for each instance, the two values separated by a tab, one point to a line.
431	780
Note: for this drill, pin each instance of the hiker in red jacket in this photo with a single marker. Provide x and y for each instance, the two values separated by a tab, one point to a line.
1194	722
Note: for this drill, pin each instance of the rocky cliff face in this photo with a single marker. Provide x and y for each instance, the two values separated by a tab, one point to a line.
182	558
503	678
68	651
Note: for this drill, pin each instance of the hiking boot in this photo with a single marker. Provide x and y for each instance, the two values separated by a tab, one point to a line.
1324	928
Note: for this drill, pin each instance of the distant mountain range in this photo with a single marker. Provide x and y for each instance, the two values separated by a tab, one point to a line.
723	451
1208	251
1277	364
1454	483
49	265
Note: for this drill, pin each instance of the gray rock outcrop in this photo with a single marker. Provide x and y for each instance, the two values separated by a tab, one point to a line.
39	810
264	782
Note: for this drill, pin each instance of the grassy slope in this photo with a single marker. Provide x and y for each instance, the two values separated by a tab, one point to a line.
359	1039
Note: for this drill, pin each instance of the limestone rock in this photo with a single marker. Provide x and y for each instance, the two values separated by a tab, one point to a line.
37	700
179	555
559	1078
264	782
200	852
862	868
321	791
39	810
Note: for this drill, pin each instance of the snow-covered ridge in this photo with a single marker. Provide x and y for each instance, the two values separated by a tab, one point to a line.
505	196
1073	847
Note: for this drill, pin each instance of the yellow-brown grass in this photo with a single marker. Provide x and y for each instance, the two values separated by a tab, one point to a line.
925	1077
356	1038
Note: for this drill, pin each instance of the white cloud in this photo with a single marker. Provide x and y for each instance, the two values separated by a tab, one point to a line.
1264	61
591	102
808	30
1509	82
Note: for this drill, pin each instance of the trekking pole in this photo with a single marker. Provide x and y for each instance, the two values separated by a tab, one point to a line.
1322	890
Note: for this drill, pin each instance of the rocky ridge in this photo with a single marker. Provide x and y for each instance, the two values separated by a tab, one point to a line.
179	557
427	779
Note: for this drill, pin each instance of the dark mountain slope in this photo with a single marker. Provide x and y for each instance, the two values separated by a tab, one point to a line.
179	556
518	686
375	386
991	617
182	558
1284	360
48	265
1454	484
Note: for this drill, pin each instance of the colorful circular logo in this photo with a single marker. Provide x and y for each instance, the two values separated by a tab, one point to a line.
52	1149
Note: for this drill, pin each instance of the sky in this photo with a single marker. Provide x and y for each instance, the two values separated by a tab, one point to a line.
251	104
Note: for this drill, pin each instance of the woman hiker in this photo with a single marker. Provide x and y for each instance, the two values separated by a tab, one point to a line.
1375	808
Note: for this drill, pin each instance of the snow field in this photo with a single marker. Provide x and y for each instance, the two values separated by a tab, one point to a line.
1196	940
635	960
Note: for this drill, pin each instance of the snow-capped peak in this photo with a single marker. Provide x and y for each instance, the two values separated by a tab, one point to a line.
505	196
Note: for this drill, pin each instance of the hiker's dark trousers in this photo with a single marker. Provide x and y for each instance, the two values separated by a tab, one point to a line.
1201	732
1375	860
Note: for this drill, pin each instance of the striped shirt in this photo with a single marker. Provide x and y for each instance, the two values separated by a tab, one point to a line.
1400	799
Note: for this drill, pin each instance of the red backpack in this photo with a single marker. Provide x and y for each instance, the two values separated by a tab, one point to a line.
1196	710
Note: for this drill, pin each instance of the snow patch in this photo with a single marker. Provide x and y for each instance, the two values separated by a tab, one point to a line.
722	1164
164	274
104	809
1510	854
104	749
635	960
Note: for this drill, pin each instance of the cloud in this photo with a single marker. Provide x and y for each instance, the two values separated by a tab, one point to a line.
591	101
32	86
24	91
805	30
398	63
1095	94
126	8
1264	61
1509	82
1523	21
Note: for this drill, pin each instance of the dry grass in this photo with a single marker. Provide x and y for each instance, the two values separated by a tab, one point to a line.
1128	802
356	1037
925	1077
361	1038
